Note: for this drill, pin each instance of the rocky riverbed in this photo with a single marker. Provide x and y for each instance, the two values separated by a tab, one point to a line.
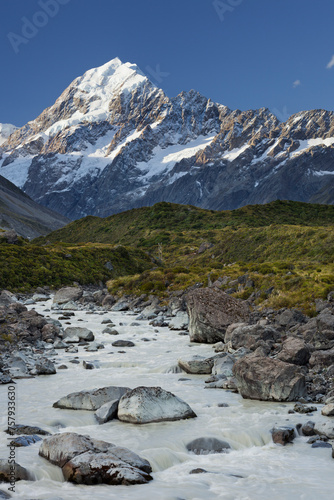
203	398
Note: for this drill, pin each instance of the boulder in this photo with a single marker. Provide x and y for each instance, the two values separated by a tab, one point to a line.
121	305
322	358
143	405
267	379
308	428
294	351
25	440
67	294
19	429
196	365
206	446
179	322
88	461
76	332
43	366
123	343
9	471
283	435
328	410
90	400
210	312
107	412
325	429
222	366
108	301
248	335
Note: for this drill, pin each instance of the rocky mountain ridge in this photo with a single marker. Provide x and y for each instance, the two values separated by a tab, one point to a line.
113	141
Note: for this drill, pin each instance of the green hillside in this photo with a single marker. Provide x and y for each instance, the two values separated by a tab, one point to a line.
285	247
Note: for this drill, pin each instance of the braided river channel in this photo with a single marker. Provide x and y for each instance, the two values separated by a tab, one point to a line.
254	468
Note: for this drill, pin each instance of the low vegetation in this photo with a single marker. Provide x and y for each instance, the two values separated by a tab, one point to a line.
280	254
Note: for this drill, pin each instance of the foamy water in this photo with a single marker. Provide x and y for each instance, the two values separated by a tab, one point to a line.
255	468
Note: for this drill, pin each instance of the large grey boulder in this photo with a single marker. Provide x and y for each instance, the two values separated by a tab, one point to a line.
210	312
267	379
89	461
91	400
294	351
196	364
76	333
248	335
143	405
67	294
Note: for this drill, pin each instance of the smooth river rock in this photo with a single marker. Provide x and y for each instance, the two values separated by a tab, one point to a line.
91	400
267	379
196	365
143	405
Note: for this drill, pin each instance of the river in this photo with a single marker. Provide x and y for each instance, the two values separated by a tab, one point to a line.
254	469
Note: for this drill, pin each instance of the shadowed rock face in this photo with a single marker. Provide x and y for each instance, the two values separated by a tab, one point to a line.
130	145
267	379
211	311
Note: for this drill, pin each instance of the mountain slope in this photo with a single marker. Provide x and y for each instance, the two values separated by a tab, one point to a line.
6	129
19	212
113	141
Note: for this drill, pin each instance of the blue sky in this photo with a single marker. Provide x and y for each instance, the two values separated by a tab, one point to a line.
242	53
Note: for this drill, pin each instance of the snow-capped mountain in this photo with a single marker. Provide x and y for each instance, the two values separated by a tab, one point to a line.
6	129
114	141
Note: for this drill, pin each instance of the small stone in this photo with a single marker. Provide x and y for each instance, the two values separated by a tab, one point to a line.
283	435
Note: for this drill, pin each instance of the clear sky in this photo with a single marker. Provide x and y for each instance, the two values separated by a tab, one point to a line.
242	53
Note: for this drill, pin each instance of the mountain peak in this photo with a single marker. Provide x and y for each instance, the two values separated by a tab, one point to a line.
113	76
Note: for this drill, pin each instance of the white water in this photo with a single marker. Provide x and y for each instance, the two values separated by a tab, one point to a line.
268	471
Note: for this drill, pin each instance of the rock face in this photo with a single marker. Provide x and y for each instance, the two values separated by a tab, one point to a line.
67	294
186	149
211	311
152	404
267	379
91	400
294	351
88	461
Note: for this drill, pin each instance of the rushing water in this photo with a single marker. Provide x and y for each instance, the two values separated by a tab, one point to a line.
254	469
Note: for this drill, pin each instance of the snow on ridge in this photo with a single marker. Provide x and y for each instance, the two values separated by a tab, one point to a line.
234	153
311	143
164	159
